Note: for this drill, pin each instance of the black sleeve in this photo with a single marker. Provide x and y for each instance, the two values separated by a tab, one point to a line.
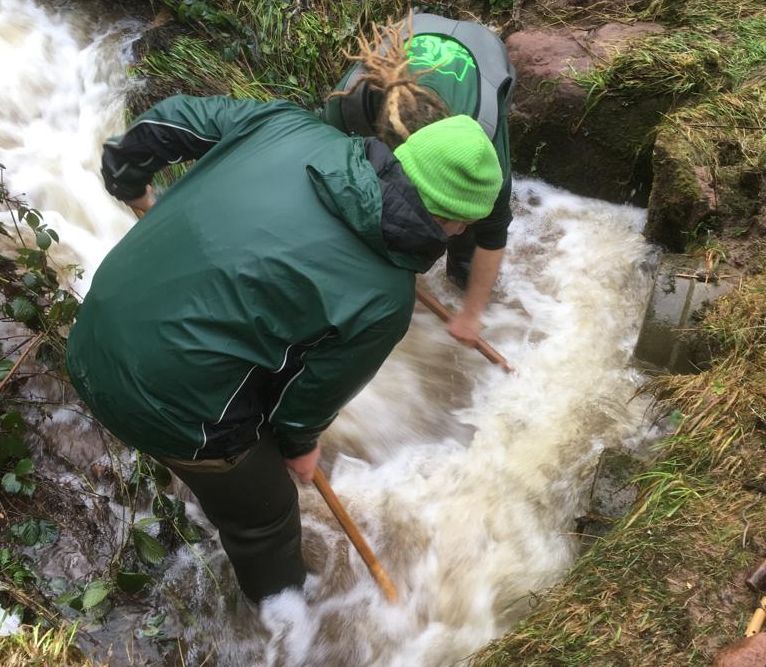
491	233
177	129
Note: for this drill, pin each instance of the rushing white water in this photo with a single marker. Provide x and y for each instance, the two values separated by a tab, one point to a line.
468	525
62	88
465	480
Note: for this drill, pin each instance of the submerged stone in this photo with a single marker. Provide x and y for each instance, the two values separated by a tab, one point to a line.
612	494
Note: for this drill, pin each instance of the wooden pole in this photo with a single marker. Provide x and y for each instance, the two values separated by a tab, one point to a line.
442	312
756	622
347	523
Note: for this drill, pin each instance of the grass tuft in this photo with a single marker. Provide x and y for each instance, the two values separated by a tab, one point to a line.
35	645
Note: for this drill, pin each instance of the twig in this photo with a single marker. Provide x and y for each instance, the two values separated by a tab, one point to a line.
516	14
744	532
21	358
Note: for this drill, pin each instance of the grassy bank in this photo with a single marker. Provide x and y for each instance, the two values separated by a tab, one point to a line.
709	65
666	586
262	48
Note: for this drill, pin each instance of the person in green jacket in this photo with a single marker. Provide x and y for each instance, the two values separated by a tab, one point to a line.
259	294
452	67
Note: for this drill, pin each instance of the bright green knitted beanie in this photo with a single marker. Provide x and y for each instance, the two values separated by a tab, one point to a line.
454	167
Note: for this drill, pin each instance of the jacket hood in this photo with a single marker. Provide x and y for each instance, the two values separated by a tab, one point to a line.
374	197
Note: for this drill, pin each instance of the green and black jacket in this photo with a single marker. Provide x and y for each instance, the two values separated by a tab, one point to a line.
263	290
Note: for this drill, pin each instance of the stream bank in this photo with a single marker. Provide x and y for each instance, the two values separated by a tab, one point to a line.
678	481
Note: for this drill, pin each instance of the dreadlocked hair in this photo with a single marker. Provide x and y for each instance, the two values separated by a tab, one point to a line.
406	106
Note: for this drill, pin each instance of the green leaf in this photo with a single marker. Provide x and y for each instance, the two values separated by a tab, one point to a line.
12	421
5	367
27	487
148	548
718	388
30	279
53	234
24	467
32	259
63	312
153	625
22	309
32	219
43	240
49	532
35	532
10	483
12	447
72	598
132	582
27	532
146	522
161	475
94	593
190	532
163	507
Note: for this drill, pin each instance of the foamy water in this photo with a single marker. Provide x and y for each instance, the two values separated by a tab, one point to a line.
469	502
63	88
465	480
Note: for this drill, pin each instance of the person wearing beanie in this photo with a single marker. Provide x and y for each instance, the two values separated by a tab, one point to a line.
413	73
454	167
223	334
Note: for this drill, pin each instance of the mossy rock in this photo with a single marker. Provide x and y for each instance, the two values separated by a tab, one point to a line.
677	204
695	191
598	147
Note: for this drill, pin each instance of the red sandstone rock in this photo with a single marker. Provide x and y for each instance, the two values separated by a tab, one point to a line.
747	652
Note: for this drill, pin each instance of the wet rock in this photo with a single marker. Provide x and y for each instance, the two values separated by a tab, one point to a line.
612	494
747	652
682	289
683	194
599	152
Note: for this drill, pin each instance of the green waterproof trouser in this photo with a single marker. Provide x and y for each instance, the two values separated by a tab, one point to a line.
254	505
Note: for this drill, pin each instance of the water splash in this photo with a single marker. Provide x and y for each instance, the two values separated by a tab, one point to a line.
63	95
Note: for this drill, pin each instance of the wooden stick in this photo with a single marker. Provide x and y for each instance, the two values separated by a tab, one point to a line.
21	358
442	312
756	622
347	523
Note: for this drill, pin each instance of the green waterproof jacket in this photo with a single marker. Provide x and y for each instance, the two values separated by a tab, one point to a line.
262	291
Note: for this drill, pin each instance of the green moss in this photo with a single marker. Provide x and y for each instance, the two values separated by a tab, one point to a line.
725	135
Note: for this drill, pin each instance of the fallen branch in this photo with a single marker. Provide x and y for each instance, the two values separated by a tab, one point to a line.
21	358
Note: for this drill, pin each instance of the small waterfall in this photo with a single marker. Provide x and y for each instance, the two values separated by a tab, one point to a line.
63	86
465	480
